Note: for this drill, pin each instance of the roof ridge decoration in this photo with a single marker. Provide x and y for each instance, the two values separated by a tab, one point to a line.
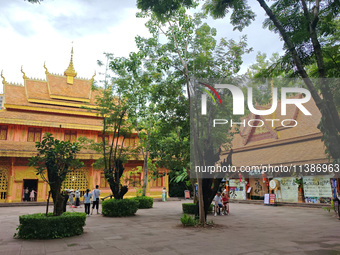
46	71
70	72
23	74
3	78
92	78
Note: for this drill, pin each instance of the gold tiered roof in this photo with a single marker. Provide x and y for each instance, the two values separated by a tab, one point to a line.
51	102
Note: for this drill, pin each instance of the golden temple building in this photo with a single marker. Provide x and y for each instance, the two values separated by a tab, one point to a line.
54	105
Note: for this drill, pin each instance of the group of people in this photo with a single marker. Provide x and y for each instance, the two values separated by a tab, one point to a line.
221	203
71	195
28	195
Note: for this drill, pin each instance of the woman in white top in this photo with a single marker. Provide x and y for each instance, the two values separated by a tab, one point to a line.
87	201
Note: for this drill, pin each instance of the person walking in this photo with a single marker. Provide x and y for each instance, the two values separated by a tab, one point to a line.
77	198
87	201
95	199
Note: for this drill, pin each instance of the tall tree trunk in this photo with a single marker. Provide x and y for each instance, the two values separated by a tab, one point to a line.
201	201
58	200
145	174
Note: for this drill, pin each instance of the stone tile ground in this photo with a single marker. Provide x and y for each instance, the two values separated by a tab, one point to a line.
249	229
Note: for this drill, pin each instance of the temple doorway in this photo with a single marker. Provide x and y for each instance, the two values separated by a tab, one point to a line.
31	184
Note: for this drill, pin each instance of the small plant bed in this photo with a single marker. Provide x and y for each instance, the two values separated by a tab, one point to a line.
119	207
191	221
40	226
190	208
144	202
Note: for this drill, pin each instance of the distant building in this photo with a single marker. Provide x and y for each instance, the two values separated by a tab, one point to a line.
263	144
54	105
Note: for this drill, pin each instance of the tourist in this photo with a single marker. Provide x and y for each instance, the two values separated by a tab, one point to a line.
77	198
70	198
225	201
87	201
26	194
95	198
32	195
218	203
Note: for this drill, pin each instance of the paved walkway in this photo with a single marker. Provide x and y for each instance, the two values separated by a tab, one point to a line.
250	229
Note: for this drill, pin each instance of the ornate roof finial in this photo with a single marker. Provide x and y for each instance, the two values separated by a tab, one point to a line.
70	70
46	71
92	79
23	74
3	78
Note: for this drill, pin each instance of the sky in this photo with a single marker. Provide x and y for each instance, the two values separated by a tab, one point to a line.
32	34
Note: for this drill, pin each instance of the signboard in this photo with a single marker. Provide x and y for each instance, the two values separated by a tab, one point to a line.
271	199
187	194
317	186
289	189
266	199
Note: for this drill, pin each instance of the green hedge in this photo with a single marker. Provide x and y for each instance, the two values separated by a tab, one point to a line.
119	207
144	202
190	208
40	226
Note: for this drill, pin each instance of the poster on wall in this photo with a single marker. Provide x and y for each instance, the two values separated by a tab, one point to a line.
317	189
236	189
289	189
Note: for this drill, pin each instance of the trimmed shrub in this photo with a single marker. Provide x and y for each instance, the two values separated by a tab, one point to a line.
190	208
40	226
144	202
119	207
188	220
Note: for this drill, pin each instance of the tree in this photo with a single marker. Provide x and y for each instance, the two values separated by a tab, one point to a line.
135	81
54	160
112	108
302	25
190	51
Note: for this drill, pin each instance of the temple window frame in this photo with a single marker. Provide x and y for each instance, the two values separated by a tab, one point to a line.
3	130
68	135
36	132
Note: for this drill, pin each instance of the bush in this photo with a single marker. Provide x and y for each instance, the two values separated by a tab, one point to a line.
144	202
188	220
119	207
190	208
40	226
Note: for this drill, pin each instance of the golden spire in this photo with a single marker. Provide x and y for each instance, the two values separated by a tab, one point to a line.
23	74
3	78
70	72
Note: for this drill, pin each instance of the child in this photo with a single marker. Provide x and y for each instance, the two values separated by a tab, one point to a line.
225	201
